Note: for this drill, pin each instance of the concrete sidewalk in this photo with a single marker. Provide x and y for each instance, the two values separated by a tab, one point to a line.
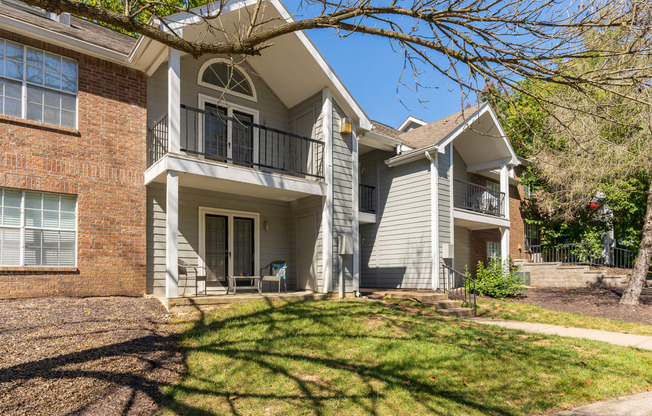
615	338
636	405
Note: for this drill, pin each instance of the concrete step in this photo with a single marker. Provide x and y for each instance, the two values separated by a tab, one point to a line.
444	304
457	312
423	297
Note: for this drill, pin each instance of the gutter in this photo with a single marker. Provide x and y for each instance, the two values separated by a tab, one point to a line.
411	156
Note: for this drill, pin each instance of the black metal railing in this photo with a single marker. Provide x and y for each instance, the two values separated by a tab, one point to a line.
582	254
477	198
157	140
366	197
459	286
211	134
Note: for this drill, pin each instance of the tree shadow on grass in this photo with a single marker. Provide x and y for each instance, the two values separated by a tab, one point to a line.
313	357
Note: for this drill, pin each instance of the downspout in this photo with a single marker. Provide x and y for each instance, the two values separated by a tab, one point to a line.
434	216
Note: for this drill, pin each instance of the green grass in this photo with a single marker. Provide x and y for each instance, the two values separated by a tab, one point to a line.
354	358
529	313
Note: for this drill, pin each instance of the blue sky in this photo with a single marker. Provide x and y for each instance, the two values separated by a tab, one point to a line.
370	69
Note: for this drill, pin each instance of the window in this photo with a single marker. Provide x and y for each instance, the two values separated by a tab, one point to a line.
37	85
37	229
493	186
493	250
531	236
223	75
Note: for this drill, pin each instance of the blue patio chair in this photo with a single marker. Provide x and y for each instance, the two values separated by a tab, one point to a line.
275	272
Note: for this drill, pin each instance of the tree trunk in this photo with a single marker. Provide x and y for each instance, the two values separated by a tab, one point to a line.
635	285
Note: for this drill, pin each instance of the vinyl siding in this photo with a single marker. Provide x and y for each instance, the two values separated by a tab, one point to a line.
396	250
275	243
302	207
459	167
342	197
462	249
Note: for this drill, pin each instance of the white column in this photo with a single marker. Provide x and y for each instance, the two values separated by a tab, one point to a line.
174	100
504	187
356	209
504	232
172	235
327	213
434	218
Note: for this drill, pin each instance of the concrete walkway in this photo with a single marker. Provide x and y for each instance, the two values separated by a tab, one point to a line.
615	338
636	405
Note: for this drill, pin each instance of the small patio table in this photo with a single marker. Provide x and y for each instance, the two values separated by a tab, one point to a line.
254	283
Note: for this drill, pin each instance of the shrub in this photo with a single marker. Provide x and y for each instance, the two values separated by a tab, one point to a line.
497	280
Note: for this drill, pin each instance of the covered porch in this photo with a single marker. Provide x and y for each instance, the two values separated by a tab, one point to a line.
221	228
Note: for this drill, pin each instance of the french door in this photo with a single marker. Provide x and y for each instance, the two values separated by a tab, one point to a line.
228	139
228	244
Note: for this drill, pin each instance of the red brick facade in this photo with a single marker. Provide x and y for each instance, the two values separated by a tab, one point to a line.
102	163
478	238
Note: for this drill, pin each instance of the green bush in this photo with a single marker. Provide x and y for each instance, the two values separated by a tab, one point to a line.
497	280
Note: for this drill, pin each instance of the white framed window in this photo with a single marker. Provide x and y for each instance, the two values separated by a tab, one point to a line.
37	228
493	250
223	75
531	232
38	85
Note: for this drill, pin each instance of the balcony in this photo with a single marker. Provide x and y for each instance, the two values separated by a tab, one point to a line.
477	198
211	135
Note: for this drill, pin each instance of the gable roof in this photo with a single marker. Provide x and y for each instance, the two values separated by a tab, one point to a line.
411	120
79	29
434	132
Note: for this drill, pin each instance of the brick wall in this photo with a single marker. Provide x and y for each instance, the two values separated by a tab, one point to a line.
102	163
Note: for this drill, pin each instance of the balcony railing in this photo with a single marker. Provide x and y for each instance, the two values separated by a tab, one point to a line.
583	253
477	198
366	197
211	134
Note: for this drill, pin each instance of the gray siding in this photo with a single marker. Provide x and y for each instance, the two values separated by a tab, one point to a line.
302	207
444	197
396	250
459	167
272	111
462	249
275	243
342	197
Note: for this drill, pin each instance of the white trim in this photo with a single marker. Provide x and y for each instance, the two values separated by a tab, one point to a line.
210	62
480	218
411	119
490	165
412	155
504	187
452	202
230	214
202	99
434	218
218	170
366	218
172	235
327	213
355	202
174	100
378	141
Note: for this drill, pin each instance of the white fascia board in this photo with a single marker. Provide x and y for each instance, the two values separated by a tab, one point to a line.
157	169
494	175
465	125
480	218
52	37
411	119
412	156
378	141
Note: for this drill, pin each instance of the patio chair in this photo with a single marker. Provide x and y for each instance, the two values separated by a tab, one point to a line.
275	272
183	271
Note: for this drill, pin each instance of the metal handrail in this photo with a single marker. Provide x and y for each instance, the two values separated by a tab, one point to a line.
459	286
582	254
366	198
478	198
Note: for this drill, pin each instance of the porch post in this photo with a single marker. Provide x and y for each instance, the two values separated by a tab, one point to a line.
434	218
172	235
504	232
174	100
327	213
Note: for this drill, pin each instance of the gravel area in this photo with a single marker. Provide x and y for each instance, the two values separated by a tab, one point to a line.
602	303
99	356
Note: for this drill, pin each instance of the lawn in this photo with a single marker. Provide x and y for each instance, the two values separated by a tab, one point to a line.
530	313
358	357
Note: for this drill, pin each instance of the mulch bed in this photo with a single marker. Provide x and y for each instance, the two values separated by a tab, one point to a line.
85	356
602	303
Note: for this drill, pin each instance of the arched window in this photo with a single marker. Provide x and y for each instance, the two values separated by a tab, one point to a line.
222	75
